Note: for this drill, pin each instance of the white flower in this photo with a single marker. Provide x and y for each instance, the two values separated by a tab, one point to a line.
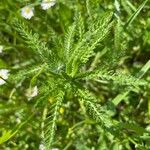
1	48
41	147
46	4
27	12
32	92
18	120
35	92
4	73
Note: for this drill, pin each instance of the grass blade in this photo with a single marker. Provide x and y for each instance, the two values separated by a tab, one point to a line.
135	14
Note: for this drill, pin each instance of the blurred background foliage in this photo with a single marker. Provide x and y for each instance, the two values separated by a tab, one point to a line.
74	131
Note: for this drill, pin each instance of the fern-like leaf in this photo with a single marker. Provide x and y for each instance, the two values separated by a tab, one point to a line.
50	125
84	49
69	39
88	52
118	78
98	113
35	44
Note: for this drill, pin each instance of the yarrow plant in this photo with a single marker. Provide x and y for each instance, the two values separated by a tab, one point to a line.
75	71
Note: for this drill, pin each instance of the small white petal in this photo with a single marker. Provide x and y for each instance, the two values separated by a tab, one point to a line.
4	73
2	82
31	92
1	48
46	4
34	92
27	12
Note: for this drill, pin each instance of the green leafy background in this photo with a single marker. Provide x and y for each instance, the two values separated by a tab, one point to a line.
90	62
